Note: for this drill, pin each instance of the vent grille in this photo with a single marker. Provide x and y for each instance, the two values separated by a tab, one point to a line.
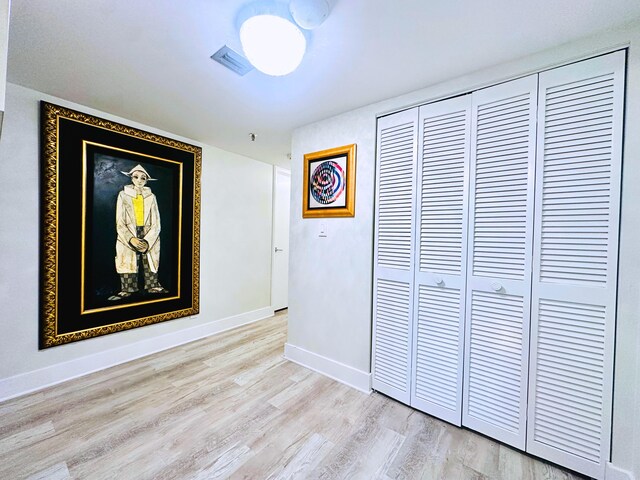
232	60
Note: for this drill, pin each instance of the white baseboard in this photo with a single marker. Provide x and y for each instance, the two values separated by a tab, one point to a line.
338	371
615	473
45	377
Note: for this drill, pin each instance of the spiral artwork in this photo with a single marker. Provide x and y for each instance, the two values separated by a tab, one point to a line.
327	182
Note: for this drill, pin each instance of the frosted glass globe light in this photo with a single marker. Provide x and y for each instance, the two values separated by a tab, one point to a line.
272	44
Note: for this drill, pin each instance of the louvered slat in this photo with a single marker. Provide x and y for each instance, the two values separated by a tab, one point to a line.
502	156
581	192
564	386
437	345
444	158
392	335
395	195
491	387
575	260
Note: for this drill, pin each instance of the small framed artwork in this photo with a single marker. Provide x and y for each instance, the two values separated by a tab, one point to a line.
120	234
329	188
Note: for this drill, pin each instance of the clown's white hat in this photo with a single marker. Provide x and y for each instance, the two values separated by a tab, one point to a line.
139	168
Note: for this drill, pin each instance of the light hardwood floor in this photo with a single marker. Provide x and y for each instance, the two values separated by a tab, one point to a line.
230	406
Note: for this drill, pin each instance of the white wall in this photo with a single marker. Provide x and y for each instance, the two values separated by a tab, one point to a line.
236	219
331	278
235	246
4	46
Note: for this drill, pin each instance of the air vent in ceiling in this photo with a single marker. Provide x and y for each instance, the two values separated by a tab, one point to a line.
232	60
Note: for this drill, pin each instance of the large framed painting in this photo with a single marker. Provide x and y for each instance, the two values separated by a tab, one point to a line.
120	227
329	183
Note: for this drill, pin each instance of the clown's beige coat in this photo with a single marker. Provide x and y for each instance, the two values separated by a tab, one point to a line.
126	258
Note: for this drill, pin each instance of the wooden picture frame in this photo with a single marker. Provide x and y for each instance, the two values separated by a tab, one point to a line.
329	183
120	234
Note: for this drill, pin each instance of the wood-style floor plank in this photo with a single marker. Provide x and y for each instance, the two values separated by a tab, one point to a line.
231	407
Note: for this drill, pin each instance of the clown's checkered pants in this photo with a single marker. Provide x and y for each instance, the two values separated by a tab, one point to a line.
129	281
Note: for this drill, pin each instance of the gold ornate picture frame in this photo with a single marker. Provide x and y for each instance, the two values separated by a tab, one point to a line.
120	230
329	183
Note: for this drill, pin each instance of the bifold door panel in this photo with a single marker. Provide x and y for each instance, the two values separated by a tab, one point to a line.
394	255
442	204
503	136
578	173
495	259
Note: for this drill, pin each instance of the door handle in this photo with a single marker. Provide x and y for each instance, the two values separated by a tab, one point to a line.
496	286
439	280
279	250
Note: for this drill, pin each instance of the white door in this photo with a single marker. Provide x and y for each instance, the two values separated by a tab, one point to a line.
578	177
280	259
499	260
441	243
394	254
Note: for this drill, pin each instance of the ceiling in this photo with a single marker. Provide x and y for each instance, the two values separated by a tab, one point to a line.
148	60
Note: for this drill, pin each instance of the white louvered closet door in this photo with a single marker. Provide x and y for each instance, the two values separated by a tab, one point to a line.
443	176
394	254
575	262
499	260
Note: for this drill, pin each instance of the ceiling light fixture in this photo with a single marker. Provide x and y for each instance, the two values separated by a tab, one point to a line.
270	39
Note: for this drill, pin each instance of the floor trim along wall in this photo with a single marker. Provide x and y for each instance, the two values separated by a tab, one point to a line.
615	473
338	371
45	377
